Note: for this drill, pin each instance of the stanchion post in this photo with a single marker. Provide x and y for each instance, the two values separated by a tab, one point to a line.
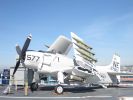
10	84
26	88
25	82
16	85
9	89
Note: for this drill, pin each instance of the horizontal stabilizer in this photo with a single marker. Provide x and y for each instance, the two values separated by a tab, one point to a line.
120	73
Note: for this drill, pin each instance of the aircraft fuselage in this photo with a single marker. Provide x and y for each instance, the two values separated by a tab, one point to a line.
48	63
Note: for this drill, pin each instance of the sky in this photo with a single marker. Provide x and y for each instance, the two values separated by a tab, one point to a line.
105	25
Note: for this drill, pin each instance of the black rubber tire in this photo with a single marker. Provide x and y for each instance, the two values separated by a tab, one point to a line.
34	86
59	89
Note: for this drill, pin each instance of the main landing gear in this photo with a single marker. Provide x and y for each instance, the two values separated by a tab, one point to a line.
34	86
59	89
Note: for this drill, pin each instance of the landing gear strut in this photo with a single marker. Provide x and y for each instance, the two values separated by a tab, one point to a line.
34	86
59	89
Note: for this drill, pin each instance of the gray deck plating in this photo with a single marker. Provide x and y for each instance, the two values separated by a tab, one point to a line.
70	93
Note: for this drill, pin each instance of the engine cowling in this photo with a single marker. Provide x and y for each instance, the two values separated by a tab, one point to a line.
33	59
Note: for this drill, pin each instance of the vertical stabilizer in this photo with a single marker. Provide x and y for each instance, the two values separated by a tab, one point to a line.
115	64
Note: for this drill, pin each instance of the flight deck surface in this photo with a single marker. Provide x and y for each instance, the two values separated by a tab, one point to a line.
93	93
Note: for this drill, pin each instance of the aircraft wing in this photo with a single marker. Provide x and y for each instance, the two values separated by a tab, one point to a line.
62	45
120	73
82	51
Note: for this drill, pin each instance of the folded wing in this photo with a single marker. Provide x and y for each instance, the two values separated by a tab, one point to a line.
62	45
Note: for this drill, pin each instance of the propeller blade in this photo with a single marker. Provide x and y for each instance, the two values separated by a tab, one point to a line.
18	49
22	53
26	45
16	67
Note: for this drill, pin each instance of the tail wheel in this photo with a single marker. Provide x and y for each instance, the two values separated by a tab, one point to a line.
34	86
59	89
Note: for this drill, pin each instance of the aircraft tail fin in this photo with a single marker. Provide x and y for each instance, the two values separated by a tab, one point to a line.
115	64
